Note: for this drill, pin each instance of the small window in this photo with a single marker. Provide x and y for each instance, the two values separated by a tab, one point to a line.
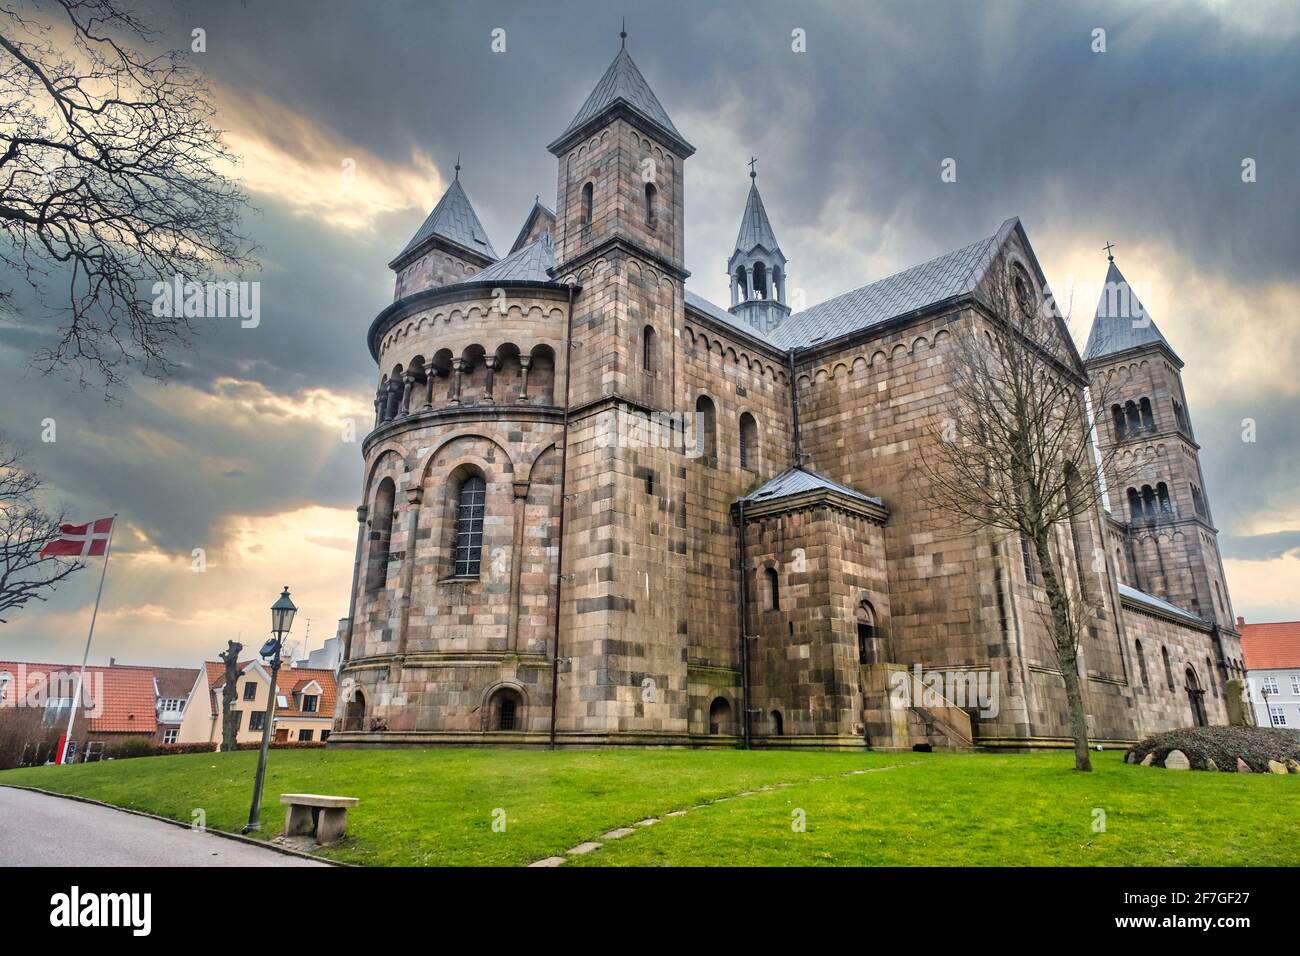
773	589
1277	715
324	735
650	194
1270	685
748	441
1142	663
1295	685
648	349
305	735
309	703
256	719
588	204
250	690
1169	671
505	710
469	526
1027	558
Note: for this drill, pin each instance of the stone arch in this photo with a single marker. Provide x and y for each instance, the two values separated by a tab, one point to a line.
493	712
720	717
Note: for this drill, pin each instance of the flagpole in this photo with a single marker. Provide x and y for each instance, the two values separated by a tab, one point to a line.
81	678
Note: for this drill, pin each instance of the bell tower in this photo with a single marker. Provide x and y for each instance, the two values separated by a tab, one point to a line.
757	266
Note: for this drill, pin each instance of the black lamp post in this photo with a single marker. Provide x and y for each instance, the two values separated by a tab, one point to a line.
282	612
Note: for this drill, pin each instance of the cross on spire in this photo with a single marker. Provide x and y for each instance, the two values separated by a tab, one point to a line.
622	34
458	167
1110	257
752	161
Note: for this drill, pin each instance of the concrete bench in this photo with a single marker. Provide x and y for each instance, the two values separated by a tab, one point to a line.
316	814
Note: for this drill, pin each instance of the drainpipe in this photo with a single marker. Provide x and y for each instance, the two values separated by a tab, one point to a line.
559	557
744	623
794	411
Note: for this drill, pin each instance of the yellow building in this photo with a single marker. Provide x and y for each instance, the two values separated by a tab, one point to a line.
304	705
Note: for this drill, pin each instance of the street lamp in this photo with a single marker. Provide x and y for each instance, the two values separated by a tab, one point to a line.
282	612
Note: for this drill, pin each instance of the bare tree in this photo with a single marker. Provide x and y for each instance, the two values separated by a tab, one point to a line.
111	175
229	716
25	528
1014	453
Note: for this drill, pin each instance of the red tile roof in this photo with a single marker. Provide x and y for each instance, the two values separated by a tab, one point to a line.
288	681
122	695
1271	646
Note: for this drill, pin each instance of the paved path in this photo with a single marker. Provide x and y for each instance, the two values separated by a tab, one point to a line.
39	830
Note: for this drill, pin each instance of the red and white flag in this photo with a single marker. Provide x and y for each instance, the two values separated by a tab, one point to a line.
80	540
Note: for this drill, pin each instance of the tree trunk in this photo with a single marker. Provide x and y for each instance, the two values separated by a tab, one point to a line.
1066	651
229	732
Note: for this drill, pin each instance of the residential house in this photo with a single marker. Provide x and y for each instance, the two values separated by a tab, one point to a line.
303	712
1272	653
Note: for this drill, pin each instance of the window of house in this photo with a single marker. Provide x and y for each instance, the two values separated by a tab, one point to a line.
1270	685
256	719
239	720
309	702
468	546
1277	715
324	735
56	711
250	690
169	736
305	735
1295	684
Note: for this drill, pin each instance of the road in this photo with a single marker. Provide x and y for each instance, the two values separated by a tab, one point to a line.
39	830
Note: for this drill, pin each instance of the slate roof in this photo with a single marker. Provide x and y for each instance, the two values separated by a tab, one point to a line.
454	219
722	315
1157	604
796	481
532	263
1273	646
539	209
755	228
1121	321
623	83
953	274
175	682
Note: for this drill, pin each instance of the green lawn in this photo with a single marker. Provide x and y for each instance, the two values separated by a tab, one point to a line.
437	806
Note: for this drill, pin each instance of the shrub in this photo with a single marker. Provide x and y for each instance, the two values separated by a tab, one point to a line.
129	747
203	748
1255	745
286	745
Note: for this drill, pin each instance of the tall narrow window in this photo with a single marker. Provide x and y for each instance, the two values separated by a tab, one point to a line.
748	441
648	349
1027	558
1169	671
650	193
706	428
1134	504
381	532
868	652
773	589
588	204
1118	414
1142	663
1134	416
1162	495
469	526
1148	419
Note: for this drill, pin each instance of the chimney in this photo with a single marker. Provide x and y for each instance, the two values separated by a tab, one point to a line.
1241	621
112	662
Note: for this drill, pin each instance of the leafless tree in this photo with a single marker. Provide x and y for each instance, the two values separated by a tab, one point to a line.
111	176
1014	453
25	528
230	716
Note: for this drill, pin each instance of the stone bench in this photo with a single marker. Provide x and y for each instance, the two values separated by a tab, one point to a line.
316	814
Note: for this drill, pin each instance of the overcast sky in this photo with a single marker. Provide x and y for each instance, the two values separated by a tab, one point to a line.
1142	145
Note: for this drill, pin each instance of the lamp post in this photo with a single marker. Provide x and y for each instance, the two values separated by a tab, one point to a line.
282	612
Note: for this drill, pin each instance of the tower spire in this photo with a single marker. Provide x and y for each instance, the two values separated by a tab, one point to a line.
622	35
756	266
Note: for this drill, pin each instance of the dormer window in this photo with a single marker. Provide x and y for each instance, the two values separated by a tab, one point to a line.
309	703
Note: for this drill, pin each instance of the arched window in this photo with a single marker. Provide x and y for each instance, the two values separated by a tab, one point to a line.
748	441
1162	495
773	582
355	713
381	532
868	649
647	348
1134	417
1196	697
1214	678
1118	414
1148	419
650	193
742	284
706	428
1142	663
778	284
778	724
588	204
468	546
1148	502
506	710
1169	671
720	716
1134	504
760	281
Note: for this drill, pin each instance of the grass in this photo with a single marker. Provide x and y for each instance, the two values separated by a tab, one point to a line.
422	807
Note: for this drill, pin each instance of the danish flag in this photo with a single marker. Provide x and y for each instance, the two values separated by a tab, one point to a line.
82	540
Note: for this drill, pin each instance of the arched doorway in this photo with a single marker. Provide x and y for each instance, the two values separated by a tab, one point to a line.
720	716
506	711
778	724
355	715
868	636
1196	696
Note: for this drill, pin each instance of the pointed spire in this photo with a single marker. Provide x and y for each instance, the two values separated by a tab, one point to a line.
1121	321
623	85
622	35
755	228
455	221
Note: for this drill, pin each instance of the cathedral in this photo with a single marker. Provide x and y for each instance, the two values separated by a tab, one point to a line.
599	509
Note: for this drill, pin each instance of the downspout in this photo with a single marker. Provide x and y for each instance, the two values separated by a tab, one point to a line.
794	412
564	474
744	623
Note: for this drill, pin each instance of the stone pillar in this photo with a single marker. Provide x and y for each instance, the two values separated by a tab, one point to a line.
394	399
516	563
379	407
408	380
457	368
413	497
524	363
492	363
429	378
